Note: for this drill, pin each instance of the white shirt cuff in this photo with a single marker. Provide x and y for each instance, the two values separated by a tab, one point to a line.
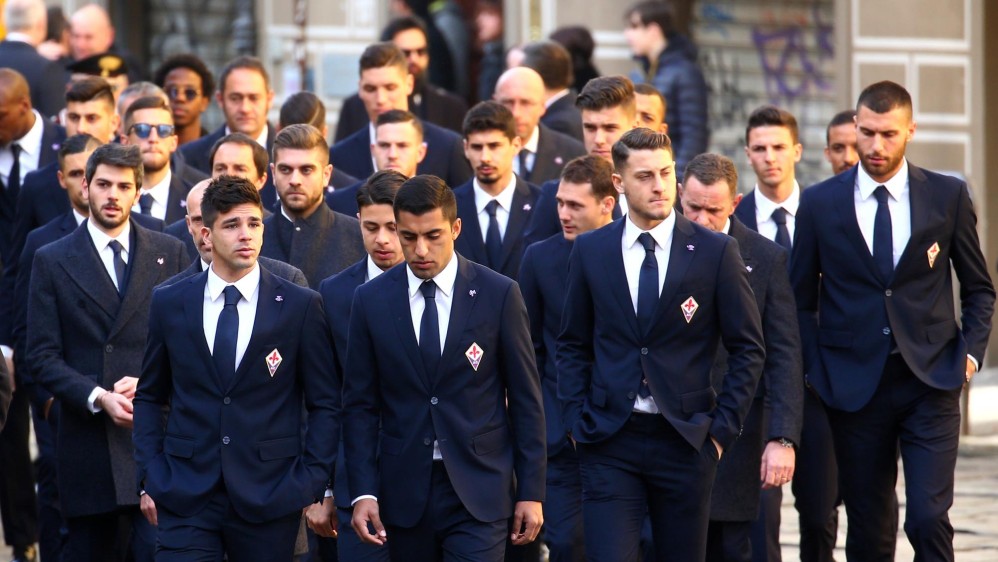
328	494
977	366
8	351
92	400
364	497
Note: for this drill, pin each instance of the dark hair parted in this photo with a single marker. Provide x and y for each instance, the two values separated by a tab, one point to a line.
593	170
606	92
380	188
404	23
117	156
399	116
260	157
552	61
190	62
654	12
772	116
303	107
225	193
489	116
709	168
91	88
380	55
638	139
424	193
302	137
846	117
884	96
243	63
147	102
76	144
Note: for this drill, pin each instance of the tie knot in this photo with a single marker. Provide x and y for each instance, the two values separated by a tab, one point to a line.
116	247
780	215
491	207
232	295
145	203
429	289
15	149
647	241
881	194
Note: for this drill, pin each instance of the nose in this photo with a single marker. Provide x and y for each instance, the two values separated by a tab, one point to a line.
421	247
851	156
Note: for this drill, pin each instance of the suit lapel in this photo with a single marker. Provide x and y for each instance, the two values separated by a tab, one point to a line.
270	302
519	216
398	304
176	199
471	228
462	305
746	211
616	274
86	269
845	205
680	256
920	202
145	266
194	313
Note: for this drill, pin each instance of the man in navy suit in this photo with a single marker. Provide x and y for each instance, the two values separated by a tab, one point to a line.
872	269
87	323
443	416
648	300
495	207
765	451
243	361
385	84
26	29
554	65
586	198
377	225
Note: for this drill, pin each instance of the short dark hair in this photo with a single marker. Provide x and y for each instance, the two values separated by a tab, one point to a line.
260	157
772	116
424	193
489	116
884	96
76	144
225	193
593	170
641	138
90	88
846	117
191	62
243	62
380	55
148	102
303	107
654	12
404	23
709	168
398	116
118	156
649	90
380	188
577	40
552	61
606	92
301	137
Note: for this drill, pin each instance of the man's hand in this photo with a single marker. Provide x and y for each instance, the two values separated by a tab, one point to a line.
117	407
971	369
321	518
366	511
126	387
527	520
720	449
148	508
778	463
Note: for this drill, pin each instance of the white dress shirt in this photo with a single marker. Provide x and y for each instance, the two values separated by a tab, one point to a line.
765	206
373	133
505	200
531	147
214	302
372	270
899	205
634	256
160	197
106	254
31	151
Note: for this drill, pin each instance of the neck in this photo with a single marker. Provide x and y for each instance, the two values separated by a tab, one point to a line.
189	132
780	193
112	232
230	274
84	211
153	177
884	178
386	268
494	189
644	223
657	49
304	214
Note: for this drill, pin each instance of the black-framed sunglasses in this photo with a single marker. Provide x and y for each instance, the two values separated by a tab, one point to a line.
189	93
143	130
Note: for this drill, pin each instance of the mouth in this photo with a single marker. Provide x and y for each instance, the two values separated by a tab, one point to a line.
383	255
485	170
246	252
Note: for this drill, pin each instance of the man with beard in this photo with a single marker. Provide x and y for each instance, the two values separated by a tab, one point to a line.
840	141
495	206
88	310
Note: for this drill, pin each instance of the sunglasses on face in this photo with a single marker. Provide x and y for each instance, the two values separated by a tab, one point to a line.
188	93
143	130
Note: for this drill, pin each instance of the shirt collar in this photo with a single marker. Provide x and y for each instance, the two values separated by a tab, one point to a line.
555	98
505	197
661	233
727	226
78	217
372	270
765	206
161	191
445	279
31	142
895	186
204	265
260	140
247	285
101	239
531	144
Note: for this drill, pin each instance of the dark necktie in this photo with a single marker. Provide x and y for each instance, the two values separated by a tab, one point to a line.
429	329
14	179
145	204
119	265
226	334
493	241
524	171
782	234
883	236
647	292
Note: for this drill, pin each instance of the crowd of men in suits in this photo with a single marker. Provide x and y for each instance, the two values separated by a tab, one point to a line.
449	338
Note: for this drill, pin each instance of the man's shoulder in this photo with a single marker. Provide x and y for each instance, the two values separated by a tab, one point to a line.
359	138
560	141
351	277
437	134
202	146
160	241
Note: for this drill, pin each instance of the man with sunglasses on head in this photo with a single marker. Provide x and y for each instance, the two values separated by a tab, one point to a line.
149	125
188	82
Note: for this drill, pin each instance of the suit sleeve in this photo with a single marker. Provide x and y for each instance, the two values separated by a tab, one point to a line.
535	305
977	293
805	278
5	393
523	396
782	372
575	355
152	395
39	396
544	219
361	404
320	377
741	334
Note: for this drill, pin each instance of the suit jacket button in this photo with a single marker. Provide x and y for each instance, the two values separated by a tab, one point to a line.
427	441
887	331
434	400
887	293
225	440
226	400
644	351
631	395
108	348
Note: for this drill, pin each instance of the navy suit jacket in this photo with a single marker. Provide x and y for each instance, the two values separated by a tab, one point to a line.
562	116
545	222
344	200
46	79
437	106
745	211
471	242
197	154
444	155
602	356
80	335
554	150
489	421
327	243
542	280
52	137
251	435
851	318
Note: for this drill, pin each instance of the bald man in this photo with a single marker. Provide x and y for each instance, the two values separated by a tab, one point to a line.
26	28
545	151
91	33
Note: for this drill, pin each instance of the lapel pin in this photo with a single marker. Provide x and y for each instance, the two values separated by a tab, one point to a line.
160	261
526	206
56	146
279	298
749	268
933	253
474	355
274	361
183	203
690	247
689	308
472	293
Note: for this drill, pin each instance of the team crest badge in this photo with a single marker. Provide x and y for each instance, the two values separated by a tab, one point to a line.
474	355
933	253
689	308
274	361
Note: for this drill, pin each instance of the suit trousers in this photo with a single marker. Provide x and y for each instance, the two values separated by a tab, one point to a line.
729	541
51	528
816	484
924	423
18	505
764	534
646	468
349	547
447	532
119	536
563	530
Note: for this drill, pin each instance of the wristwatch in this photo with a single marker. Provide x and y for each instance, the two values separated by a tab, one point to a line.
785	442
